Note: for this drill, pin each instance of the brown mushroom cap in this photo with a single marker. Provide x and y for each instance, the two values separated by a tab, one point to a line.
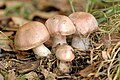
64	53
84	22
60	25
30	35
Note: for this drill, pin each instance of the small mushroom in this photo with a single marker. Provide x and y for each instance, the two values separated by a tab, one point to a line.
32	35
65	54
85	23
59	27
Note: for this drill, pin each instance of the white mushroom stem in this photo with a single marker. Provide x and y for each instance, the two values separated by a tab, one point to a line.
41	51
58	39
80	43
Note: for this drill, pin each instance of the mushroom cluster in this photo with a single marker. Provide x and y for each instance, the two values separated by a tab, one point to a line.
33	35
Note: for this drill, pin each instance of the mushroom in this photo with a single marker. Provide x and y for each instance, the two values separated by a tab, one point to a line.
32	35
65	54
59	27
85	23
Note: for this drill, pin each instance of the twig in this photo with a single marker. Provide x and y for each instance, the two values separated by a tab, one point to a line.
118	44
117	73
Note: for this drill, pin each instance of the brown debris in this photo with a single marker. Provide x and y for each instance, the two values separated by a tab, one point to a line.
48	75
44	15
99	62
58	4
88	70
18	21
2	3
5	41
28	66
1	77
11	75
110	39
22	55
12	3
31	76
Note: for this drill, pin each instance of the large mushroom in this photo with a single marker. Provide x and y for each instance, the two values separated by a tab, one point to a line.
59	27
32	35
85	23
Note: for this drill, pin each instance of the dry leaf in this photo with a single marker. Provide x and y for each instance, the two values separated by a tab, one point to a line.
31	76
2	12
28	66
2	66
11	75
5	23
18	20
111	40
104	55
2	3
48	75
41	4
44	15
62	5
25	0
109	50
5	41
22	55
1	77
12	3
88	70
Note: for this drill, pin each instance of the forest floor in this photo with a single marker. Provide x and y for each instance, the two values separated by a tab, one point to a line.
100	62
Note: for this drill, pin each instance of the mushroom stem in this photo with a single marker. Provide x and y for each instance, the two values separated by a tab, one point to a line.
59	40
80	43
64	67
41	51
